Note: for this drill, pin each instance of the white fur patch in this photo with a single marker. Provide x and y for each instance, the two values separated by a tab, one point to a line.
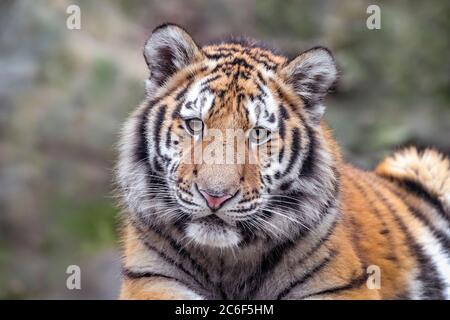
213	236
257	110
438	256
200	103
429	168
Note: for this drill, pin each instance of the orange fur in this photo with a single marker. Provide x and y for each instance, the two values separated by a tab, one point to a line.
377	224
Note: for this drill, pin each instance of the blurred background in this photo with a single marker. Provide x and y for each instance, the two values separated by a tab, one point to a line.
64	94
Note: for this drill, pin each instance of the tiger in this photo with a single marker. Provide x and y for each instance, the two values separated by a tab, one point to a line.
291	219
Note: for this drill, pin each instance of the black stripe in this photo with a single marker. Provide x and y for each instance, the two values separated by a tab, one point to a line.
157	165
169	137
188	202
211	79
284	114
418	190
141	149
439	235
281	155
286	185
432	284
310	161
282	127
321	242
263	55
157	128
220	284
187	191
268	64
189	104
176	111
217	56
244	48
418	214
261	78
183	91
317	268
248	235
353	284
165	257
141	152
147	274
204	89
240	62
242	210
269	262
181	251
377	213
295	150
274	256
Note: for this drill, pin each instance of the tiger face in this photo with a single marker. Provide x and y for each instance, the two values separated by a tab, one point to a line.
229	140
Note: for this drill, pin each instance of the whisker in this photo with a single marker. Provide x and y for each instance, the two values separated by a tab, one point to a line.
261	220
275	196
287	217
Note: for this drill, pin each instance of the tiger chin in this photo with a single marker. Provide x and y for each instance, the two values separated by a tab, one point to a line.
283	218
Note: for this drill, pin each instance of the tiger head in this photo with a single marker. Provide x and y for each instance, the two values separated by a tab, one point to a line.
228	145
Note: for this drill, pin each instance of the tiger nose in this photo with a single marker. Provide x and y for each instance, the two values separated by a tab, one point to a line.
214	201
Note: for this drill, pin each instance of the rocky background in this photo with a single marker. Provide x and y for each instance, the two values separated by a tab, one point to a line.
64	94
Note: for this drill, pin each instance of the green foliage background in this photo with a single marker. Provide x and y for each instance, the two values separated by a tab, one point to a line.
64	94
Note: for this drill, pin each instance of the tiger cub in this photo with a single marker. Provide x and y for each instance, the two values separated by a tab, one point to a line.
234	187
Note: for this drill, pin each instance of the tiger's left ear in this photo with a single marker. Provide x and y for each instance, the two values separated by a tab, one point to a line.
169	49
312	74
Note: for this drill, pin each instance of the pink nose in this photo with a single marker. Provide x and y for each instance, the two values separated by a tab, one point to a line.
214	201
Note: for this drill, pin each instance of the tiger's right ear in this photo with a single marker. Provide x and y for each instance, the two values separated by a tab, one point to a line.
168	50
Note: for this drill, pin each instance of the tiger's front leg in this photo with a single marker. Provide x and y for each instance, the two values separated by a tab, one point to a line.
147	276
156	288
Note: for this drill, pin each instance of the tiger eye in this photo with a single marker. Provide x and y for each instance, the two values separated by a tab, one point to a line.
259	135
194	126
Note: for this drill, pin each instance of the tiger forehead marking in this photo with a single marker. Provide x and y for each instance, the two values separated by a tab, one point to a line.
237	85
284	219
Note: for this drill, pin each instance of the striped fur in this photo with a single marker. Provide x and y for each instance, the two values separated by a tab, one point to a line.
301	223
